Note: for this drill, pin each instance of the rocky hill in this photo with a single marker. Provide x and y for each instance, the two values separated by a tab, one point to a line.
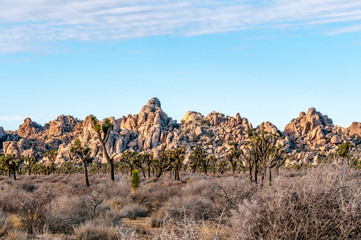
151	130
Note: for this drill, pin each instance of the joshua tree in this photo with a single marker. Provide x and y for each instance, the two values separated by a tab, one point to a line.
344	151
198	156
103	132
249	157
262	150
138	161
162	163
176	156
213	161
9	163
222	166
233	157
130	159
51	155
148	161
30	162
277	160
83	153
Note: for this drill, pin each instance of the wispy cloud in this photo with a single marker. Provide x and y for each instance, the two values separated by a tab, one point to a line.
11	118
29	25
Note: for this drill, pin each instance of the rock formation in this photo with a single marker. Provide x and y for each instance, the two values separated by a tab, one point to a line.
151	130
354	129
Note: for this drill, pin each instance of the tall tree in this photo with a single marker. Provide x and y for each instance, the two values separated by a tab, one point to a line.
51	155
83	153
148	161
138	160
162	163
344	151
213	161
177	157
248	155
103	132
233	157
130	159
264	153
198	156
30	162
9	163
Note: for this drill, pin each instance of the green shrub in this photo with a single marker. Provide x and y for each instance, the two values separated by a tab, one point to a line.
135	181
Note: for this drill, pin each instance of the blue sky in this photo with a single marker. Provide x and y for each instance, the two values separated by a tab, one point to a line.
267	60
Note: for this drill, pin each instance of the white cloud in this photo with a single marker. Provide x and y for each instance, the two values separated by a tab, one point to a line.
29	25
11	118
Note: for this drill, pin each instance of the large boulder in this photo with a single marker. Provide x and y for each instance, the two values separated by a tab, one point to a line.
2	132
11	148
354	129
192	116
29	128
310	129
63	124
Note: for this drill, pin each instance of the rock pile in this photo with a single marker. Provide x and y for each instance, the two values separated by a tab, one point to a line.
151	130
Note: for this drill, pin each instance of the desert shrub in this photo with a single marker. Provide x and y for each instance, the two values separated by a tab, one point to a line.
134	211
120	188
26	186
324	204
192	207
18	235
111	218
154	195
28	206
227	193
95	231
3	226
65	212
188	230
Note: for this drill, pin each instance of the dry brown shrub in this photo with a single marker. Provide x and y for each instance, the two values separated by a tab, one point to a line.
65	212
154	195
134	211
323	204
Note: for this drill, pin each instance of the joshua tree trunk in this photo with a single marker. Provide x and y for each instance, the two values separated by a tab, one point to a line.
108	159
14	175
177	175
255	174
234	165
131	169
111	163
270	175
143	173
86	173
250	174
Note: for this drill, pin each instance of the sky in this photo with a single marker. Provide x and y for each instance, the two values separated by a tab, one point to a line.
268	60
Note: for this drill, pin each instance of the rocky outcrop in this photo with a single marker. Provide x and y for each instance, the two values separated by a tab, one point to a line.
312	130
2	132
354	129
11	148
151	130
269	127
60	126
29	129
